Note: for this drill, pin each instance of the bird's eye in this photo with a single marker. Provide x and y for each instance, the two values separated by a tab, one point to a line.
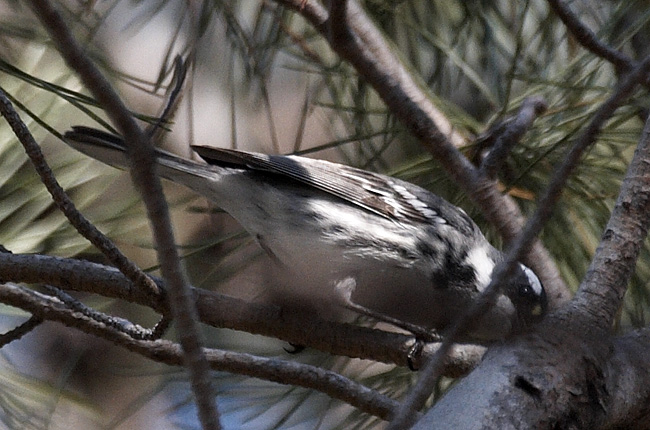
525	290
532	286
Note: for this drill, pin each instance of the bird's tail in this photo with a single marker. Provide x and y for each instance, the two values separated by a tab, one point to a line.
110	149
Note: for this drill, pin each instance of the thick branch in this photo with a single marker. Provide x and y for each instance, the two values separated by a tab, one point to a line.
218	310
605	283
566	374
628	382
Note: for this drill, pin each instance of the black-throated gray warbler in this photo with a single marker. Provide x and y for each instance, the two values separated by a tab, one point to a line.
412	255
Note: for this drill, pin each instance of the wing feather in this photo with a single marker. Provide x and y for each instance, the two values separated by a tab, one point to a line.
385	196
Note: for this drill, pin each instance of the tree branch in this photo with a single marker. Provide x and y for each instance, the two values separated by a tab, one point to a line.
356	39
218	310
275	370
63	202
148	183
589	40
20	331
431	372
574	343
628	381
601	292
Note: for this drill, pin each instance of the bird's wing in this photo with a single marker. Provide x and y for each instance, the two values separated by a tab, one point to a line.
383	195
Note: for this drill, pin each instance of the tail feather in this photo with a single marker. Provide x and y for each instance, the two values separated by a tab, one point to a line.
105	147
110	149
80	132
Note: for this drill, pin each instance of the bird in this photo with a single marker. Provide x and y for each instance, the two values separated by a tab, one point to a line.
406	252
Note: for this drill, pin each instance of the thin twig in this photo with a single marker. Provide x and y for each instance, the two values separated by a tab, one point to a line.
65	204
125	326
275	370
161	327
173	100
588	38
431	372
144	176
20	331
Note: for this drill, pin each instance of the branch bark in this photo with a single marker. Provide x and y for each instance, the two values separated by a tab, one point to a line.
148	183
163	351
571	372
218	310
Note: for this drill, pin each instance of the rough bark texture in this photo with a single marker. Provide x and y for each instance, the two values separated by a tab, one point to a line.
571	372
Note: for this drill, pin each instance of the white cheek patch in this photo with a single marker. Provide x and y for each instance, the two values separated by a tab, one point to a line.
483	265
535	284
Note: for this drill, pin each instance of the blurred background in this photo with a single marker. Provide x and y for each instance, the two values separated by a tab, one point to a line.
259	78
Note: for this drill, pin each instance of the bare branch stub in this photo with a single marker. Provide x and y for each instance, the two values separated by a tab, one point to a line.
508	133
